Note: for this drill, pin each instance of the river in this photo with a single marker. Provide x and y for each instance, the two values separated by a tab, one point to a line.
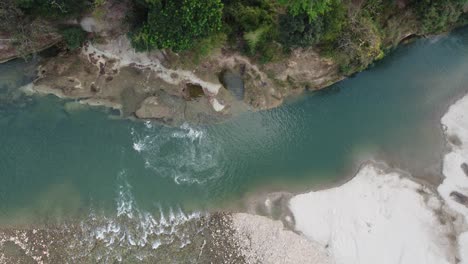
61	161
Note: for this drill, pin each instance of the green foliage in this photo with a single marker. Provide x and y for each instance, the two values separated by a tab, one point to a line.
312	8
253	38
270	51
377	9
247	15
73	37
438	15
205	46
53	8
253	25
358	46
298	31
334	21
99	8
177	24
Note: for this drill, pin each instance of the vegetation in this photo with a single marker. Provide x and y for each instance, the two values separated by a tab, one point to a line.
73	37
298	31
177	24
353	33
437	15
18	29
311	8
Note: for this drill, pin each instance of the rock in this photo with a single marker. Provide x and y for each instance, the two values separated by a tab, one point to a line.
152	107
464	167
94	88
460	198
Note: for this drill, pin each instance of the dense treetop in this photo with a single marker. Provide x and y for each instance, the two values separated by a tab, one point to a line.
352	32
175	24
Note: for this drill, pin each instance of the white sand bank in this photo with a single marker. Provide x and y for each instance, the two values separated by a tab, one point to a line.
384	217
454	189
377	217
262	240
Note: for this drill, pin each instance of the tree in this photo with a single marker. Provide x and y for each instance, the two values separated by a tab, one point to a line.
73	37
312	8
177	24
438	15
298	31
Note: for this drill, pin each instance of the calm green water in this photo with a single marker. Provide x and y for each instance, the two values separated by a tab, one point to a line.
58	161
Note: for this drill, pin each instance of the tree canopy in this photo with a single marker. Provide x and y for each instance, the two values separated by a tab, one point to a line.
177	24
313	8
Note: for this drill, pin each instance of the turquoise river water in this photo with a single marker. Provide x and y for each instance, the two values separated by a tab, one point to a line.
60	161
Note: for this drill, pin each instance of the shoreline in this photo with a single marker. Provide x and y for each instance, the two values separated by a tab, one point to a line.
286	227
450	203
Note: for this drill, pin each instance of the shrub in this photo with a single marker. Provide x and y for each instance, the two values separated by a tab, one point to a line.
73	37
177	24
298	31
312	8
253	38
358	45
334	21
244	16
438	15
205	46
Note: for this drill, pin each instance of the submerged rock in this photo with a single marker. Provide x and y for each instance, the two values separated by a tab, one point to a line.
152	107
234	83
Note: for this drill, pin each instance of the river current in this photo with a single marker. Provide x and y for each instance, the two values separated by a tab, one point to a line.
60	160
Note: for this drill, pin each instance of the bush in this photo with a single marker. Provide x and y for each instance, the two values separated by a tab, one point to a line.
298	31
244	16
178	24
334	21
358	46
204	47
254	38
73	37
438	15
311	8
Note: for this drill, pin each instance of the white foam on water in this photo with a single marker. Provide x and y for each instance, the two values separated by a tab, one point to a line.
138	146
125	199
187	154
186	131
156	244
148	124
134	228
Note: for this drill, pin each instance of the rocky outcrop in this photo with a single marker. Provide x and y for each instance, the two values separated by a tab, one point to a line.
305	69
154	85
154	107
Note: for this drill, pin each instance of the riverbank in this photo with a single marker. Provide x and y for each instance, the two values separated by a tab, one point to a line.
155	85
215	81
384	216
